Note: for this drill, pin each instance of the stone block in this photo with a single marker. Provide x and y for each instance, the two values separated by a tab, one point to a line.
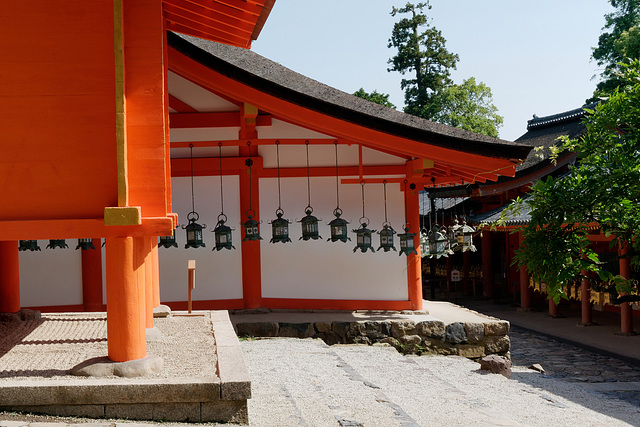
161	311
436	346
177	412
322	326
471	351
496	364
296	330
403	327
497	344
410	339
377	330
390	341
329	337
225	411
261	329
129	411
362	339
341	329
430	329
455	333
496	328
475	332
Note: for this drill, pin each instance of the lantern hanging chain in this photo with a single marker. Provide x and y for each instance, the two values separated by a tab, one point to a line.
308	177
278	166
362	184
193	205
384	184
221	192
335	144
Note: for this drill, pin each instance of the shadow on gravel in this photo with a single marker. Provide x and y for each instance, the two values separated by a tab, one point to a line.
14	332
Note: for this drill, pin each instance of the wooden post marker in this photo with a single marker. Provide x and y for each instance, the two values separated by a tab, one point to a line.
191	268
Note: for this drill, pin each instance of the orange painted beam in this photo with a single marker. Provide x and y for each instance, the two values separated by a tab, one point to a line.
207	18
222	304
9	277
178	105
213	120
330	304
203	32
81	228
212	80
254	142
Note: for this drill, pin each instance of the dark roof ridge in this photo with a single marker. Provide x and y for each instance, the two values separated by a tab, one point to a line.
554	119
270	77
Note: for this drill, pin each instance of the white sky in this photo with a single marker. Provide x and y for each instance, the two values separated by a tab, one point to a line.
534	55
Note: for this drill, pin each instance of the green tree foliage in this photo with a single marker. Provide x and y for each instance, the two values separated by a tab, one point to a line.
424	55
470	106
431	93
602	189
618	44
375	96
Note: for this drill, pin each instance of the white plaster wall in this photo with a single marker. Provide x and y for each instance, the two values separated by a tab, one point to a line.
330	270
51	276
282	129
198	97
218	273
319	155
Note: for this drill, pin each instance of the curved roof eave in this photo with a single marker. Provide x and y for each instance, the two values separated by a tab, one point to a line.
274	79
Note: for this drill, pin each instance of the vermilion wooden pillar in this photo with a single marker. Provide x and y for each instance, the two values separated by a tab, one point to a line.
251	266
92	277
126	324
147	247
9	277
414	263
585	295
626	319
487	267
553	308
525	291
155	272
466	268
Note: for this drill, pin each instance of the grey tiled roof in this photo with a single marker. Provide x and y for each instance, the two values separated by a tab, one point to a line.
274	79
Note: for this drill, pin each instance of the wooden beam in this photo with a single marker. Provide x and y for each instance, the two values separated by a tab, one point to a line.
256	142
213	120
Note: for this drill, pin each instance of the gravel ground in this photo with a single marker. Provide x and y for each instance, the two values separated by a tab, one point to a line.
307	383
61	341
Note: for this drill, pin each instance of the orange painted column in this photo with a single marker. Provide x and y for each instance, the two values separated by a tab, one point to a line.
585	295
126	335
155	271
9	277
92	277
466	268
147	247
626	319
525	291
251	266
487	265
414	262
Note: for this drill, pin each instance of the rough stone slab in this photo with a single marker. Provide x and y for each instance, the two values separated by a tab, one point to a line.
129	411
259	329
475	332
295	330
7	423
89	411
161	311
322	326
235	383
455	333
234	411
430	329
497	344
496	364
471	351
153	334
86	392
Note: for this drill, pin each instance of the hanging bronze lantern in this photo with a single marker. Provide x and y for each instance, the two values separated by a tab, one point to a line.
57	243
387	232
363	236
222	232
251	227
85	244
338	227
309	225
280	228
194	231
466	232
28	245
168	241
407	243
424	243
309	222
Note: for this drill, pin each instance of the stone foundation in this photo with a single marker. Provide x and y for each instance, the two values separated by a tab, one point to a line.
470	340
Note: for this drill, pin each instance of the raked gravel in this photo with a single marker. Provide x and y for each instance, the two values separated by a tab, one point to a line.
307	383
